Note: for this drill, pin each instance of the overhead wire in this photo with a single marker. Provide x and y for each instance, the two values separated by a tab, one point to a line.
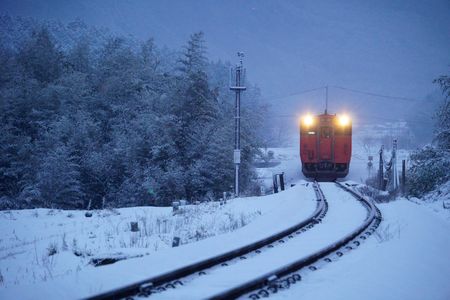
374	94
350	90
295	93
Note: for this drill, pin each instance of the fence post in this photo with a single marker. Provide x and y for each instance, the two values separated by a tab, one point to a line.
282	181
275	183
134	226
175	241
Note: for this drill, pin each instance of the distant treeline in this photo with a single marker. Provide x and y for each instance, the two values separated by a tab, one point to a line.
89	116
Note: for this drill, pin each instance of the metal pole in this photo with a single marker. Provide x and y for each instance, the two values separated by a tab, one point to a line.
394	165
237	121
326	100
380	171
237	128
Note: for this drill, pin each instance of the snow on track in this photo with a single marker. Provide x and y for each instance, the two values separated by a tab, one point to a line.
345	214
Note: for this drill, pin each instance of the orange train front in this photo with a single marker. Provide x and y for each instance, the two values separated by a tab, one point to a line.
325	146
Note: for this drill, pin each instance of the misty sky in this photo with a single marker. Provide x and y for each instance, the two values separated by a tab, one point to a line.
394	47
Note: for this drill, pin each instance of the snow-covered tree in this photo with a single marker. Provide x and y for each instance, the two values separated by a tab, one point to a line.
87	118
443	115
58	180
41	58
430	166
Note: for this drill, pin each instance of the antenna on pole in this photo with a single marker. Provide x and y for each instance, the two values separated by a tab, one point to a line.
326	99
237	78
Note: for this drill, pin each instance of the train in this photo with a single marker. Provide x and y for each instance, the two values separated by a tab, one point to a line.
325	146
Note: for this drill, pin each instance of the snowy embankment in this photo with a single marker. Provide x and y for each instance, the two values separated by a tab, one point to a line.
76	278
408	258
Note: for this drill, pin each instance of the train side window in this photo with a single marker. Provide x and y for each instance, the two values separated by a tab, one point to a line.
325	132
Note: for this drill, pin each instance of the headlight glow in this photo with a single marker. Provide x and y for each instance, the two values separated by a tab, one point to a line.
344	120
308	120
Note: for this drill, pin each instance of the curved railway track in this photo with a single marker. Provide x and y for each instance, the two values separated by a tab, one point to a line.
265	283
173	279
282	277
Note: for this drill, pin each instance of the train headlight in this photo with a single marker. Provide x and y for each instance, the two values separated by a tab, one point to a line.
308	120
344	120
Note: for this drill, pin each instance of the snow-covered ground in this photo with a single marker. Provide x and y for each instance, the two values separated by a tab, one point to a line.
269	214
42	244
408	257
438	201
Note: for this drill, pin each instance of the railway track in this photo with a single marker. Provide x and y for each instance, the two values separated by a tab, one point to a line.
174	279
282	277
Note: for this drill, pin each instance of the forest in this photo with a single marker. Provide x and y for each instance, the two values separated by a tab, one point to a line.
91	116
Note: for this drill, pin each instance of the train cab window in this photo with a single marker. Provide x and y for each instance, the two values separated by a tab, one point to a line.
325	132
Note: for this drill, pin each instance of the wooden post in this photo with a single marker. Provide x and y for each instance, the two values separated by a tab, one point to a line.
175	206
275	184
88	214
175	241
282	181
134	226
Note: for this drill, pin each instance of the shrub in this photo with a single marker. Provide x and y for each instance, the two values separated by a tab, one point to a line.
428	169
52	249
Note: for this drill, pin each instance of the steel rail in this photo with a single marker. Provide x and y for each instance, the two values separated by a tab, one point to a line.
373	218
145	287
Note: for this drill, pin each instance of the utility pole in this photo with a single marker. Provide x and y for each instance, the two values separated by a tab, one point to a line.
237	78
380	170
326	99
394	166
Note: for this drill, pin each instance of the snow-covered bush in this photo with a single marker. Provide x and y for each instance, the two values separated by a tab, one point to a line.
371	190
429	168
52	249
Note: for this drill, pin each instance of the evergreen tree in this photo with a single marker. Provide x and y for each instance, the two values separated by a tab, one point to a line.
58	180
41	58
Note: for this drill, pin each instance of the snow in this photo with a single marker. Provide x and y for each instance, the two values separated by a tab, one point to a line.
438	201
407	259
281	210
